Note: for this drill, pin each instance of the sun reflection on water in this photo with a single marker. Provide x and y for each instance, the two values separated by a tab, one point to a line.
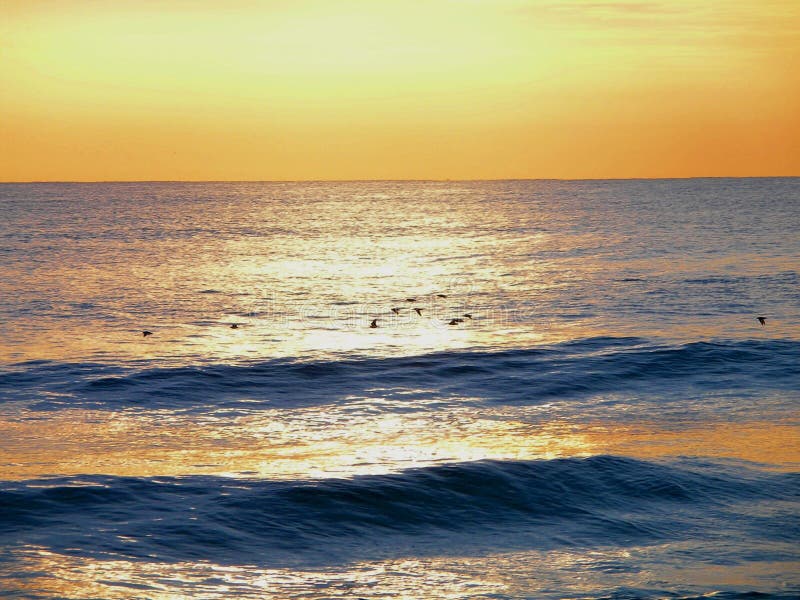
306	443
78	577
354	440
549	574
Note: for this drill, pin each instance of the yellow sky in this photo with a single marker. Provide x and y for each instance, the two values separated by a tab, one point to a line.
397	89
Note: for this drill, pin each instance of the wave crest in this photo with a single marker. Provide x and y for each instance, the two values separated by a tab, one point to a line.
595	501
566	371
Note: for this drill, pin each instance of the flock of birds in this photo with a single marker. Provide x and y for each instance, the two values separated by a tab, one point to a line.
396	310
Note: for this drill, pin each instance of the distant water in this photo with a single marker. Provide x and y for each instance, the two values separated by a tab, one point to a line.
611	420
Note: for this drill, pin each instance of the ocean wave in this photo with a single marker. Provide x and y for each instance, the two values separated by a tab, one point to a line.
535	375
602	500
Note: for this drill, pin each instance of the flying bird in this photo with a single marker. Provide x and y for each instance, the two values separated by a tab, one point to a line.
762	320
411	299
234	326
455	321
418	311
468	315
396	311
374	324
441	296
146	333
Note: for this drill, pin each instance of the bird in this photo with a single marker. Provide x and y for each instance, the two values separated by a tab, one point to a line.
396	311
419	311
458	320
411	299
762	320
455	321
441	296
234	326
468	315
146	333
374	324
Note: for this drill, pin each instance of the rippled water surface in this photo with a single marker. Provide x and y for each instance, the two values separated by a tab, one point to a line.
605	418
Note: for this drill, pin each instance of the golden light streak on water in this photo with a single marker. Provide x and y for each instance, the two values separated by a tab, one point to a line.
320	443
517	574
307	443
78	577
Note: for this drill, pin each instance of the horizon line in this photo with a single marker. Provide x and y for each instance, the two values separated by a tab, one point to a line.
392	180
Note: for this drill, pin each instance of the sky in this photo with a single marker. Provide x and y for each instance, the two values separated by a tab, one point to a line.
94	90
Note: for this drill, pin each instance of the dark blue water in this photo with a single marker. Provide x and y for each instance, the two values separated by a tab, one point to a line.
488	505
578	372
611	421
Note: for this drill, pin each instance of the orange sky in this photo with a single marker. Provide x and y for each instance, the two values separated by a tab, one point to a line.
398	89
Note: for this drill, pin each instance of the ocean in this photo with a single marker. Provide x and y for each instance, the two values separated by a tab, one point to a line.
573	397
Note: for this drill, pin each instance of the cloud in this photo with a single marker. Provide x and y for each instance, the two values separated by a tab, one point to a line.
633	12
725	24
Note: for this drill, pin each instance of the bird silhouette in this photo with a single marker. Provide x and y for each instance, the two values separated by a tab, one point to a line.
441	296
146	333
418	311
411	299
396	311
468	315
374	324
455	321
762	320
234	326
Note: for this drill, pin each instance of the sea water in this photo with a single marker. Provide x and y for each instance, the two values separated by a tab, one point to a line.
610	421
